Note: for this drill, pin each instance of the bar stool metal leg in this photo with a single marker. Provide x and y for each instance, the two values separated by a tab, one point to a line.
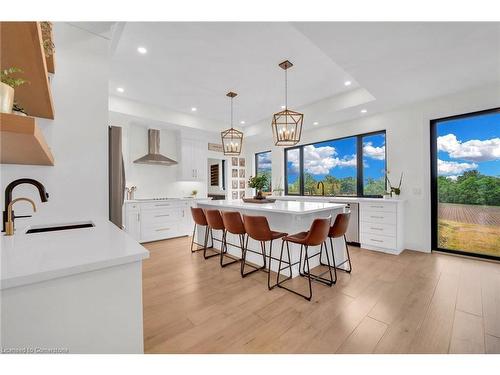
308	274
223	251
244	263
206	243
348	260
193	242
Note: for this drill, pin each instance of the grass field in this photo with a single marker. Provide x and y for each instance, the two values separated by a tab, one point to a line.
470	228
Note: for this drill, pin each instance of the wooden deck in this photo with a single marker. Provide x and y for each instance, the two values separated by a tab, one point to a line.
411	303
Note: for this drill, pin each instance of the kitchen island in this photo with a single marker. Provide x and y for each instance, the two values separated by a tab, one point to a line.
283	216
72	291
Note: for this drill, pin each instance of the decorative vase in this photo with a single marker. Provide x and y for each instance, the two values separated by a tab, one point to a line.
6	98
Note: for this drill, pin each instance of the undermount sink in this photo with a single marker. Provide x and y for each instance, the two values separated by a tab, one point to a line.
59	227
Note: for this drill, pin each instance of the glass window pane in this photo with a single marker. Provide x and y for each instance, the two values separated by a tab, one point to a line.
334	164
374	164
263	167
293	171
468	184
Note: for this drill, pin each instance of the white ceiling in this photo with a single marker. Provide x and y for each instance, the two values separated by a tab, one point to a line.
390	64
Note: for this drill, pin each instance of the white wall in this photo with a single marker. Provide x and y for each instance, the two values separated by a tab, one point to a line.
78	136
408	150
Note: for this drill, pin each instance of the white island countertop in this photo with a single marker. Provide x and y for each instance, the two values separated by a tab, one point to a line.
320	198
32	258
286	207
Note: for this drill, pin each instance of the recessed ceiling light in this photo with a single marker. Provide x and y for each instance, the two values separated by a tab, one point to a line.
364	110
347	83
194	109
242	122
142	50
283	107
315	123
120	89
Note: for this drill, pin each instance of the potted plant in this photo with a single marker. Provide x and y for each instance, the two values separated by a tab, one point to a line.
258	183
194	193
7	86
393	189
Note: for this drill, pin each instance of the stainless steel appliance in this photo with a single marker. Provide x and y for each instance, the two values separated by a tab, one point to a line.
353	229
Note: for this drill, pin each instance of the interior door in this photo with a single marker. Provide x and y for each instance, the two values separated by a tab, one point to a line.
465	165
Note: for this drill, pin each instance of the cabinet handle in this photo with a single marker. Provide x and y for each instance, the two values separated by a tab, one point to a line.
377	217
377	206
138	216
162	205
162	229
162	215
374	240
376	228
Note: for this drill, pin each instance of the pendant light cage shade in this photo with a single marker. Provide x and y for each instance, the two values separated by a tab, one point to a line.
232	141
287	127
287	124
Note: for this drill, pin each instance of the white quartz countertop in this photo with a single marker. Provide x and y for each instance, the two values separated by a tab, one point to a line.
286	207
142	200
32	258
335	199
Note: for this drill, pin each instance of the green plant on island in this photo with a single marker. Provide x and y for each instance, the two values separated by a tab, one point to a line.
394	189
258	183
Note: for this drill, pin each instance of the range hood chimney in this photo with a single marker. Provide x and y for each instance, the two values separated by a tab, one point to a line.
153	156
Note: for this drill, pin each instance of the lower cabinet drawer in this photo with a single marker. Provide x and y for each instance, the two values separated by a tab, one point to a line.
378	217
159	232
377	228
160	217
378	240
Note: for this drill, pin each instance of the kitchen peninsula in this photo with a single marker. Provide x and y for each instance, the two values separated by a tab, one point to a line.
284	216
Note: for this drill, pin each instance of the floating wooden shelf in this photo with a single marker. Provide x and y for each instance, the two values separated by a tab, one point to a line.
21	47
22	142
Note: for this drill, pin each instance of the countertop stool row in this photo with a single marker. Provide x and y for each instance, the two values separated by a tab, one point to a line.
257	228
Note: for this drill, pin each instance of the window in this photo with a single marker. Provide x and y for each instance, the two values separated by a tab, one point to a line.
374	164
263	167
292	162
351	166
465	183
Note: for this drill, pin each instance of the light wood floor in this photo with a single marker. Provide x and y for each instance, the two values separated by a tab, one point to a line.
411	303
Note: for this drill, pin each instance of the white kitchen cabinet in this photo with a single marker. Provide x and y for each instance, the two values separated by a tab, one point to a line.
158	220
381	226
193	160
132	221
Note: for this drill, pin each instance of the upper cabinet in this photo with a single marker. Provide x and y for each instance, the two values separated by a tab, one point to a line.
23	46
193	160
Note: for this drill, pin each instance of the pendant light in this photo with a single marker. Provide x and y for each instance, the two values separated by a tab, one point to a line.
287	124
232	139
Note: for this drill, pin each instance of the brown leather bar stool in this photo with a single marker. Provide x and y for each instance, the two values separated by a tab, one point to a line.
200	220
234	224
316	236
257	228
214	220
337	230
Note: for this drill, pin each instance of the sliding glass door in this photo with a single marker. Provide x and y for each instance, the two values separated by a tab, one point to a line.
465	162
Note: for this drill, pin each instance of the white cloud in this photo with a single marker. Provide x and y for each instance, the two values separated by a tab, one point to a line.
473	150
370	151
265	160
453	168
319	160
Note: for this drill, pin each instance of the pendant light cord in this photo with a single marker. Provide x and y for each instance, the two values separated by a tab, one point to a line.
286	89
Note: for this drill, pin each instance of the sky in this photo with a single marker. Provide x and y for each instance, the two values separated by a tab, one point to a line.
338	158
469	143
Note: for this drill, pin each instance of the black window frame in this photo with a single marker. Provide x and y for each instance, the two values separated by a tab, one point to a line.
434	184
256	158
359	164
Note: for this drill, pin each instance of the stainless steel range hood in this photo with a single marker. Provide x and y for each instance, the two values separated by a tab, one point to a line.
153	156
